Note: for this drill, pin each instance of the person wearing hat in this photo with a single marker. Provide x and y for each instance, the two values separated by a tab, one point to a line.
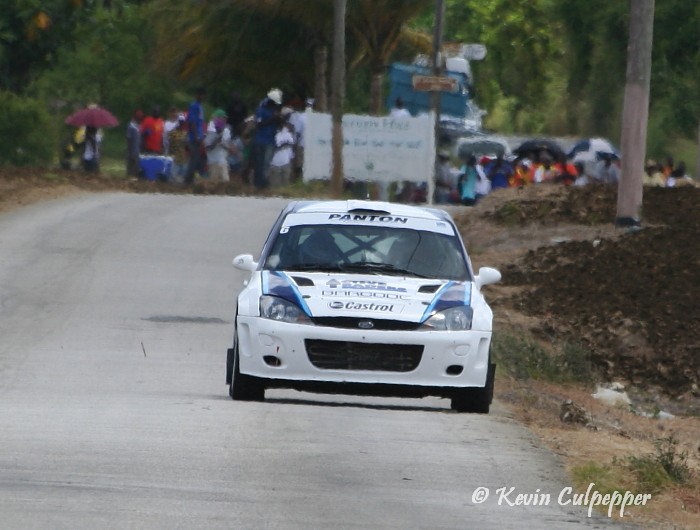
267	117
218	144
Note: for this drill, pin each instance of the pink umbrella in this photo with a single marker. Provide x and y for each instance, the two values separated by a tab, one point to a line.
93	116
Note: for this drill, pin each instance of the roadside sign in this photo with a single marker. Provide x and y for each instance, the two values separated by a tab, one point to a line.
434	83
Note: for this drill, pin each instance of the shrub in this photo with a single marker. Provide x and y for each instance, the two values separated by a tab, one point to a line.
526	359
27	135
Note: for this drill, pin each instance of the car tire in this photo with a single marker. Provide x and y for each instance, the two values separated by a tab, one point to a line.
475	400
244	387
229	365
230	352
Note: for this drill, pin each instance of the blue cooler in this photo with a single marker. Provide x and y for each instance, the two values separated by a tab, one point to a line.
156	167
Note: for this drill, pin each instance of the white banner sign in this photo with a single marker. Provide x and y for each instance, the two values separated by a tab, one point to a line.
376	148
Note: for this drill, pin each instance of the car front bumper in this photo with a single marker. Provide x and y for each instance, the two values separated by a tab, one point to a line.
297	352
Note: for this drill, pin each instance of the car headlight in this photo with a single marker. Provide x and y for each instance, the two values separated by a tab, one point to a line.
453	319
282	310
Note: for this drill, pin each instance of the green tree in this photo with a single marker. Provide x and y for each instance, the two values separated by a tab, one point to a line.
110	66
272	42
31	31
378	26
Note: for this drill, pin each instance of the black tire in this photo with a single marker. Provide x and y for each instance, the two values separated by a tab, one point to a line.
475	400
244	387
229	365
230	351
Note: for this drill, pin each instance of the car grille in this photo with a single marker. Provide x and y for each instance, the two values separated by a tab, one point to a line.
341	355
354	323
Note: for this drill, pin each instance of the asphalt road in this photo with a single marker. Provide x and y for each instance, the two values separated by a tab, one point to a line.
115	315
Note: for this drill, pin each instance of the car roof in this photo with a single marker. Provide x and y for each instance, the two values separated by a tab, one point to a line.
380	207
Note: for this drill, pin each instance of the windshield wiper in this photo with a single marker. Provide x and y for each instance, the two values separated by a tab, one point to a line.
333	267
379	268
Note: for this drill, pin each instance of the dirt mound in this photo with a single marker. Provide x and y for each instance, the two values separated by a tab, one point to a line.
22	185
631	300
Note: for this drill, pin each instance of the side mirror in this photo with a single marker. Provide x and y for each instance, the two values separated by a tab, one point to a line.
486	276
245	262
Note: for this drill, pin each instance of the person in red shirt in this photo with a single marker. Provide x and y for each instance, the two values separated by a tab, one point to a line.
567	171
152	128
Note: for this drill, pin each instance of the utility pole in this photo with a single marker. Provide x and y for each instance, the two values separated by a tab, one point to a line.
338	95
435	95
635	112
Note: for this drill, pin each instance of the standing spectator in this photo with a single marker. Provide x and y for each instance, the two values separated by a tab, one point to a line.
133	145
545	171
152	128
281	163
468	183
178	150
217	143
499	172
169	126
399	111
91	154
263	145
195	136
483	185
522	175
567	173
237	112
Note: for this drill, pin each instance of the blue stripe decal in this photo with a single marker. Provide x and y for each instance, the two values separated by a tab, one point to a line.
452	294
431	307
278	284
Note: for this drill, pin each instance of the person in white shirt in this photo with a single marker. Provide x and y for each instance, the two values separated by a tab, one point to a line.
399	111
169	126
218	143
280	171
91	153
679	178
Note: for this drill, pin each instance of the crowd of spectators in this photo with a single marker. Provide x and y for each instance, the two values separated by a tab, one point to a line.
263	149
479	176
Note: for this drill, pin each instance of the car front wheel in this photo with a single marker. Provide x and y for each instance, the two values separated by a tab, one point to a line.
243	387
476	400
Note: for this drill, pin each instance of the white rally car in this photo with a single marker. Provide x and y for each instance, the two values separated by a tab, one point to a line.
363	297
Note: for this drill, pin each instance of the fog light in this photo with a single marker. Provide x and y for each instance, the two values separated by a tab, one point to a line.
454	369
273	361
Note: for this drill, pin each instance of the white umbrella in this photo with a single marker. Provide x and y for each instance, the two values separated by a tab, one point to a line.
592	149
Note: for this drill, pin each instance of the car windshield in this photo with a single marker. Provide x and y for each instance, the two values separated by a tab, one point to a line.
368	249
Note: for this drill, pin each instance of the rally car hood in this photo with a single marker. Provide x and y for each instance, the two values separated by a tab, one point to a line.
366	295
